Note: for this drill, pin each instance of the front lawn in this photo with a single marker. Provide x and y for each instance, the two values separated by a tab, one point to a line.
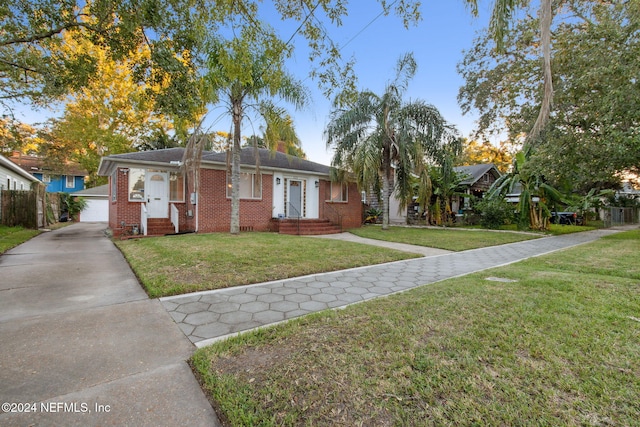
449	239
13	236
557	344
174	265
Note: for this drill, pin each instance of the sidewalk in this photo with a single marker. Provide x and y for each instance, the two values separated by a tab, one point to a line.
209	316
83	345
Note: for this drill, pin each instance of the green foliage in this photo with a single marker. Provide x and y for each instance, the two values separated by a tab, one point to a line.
623	201
376	131
371	215
243	73
494	213
73	205
535	197
592	134
33	67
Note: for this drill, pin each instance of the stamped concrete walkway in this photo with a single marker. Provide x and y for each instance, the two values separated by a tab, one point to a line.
208	316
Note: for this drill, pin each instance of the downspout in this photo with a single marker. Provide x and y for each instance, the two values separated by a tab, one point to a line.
197	210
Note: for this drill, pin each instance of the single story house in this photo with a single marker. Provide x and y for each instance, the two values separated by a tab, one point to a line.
476	181
13	177
97	209
68	178
149	193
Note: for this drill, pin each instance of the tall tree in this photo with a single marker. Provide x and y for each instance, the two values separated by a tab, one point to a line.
30	31
502	18
244	74
281	138
592	135
379	135
33	68
474	152
112	114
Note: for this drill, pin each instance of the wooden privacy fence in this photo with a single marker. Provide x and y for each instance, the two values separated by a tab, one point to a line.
30	209
621	216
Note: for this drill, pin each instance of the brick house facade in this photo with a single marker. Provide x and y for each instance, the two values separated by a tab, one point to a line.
151	184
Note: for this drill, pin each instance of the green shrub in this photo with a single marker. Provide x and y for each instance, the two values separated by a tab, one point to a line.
494	213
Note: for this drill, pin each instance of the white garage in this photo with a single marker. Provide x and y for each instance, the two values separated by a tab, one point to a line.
97	209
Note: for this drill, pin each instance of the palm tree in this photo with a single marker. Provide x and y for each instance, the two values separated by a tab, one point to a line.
244	75
379	135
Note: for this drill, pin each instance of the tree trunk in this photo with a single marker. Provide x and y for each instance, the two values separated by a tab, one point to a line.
235	169
386	178
546	18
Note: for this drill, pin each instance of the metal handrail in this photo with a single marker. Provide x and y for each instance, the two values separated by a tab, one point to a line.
293	208
336	213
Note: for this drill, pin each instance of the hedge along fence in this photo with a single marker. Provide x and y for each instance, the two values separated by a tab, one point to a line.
30	209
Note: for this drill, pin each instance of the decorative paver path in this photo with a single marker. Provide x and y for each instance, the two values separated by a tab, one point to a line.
212	315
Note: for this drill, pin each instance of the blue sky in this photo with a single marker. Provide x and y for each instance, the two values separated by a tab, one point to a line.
437	43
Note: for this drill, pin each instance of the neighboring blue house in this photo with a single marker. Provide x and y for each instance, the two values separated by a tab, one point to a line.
69	179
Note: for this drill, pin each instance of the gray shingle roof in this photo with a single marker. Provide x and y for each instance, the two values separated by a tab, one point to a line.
267	159
100	191
474	172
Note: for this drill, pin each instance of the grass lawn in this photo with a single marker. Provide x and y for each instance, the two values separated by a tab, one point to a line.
179	264
554	229
12	236
449	239
559	345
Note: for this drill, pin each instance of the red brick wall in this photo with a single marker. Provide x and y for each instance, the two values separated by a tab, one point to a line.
350	211
215	208
121	209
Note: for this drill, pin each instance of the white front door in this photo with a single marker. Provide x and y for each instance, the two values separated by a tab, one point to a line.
295	199
156	187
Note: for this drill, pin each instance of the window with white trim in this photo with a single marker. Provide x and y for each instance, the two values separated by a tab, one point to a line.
250	186
339	192
70	181
136	185
46	178
176	187
114	185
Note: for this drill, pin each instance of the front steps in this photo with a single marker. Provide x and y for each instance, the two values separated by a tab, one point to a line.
159	227
308	227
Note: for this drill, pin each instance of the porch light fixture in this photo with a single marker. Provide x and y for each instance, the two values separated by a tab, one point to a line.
317	184
277	181
125	170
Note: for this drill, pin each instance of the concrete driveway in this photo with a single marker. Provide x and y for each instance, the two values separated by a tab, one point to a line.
83	345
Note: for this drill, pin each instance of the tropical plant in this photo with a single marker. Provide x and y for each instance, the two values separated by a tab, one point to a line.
73	205
380	138
494	213
244	75
371	215
444	182
587	205
535	194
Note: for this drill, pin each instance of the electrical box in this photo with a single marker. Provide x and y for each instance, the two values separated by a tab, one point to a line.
193	199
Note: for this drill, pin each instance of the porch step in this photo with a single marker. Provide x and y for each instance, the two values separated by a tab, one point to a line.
308	227
159	227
